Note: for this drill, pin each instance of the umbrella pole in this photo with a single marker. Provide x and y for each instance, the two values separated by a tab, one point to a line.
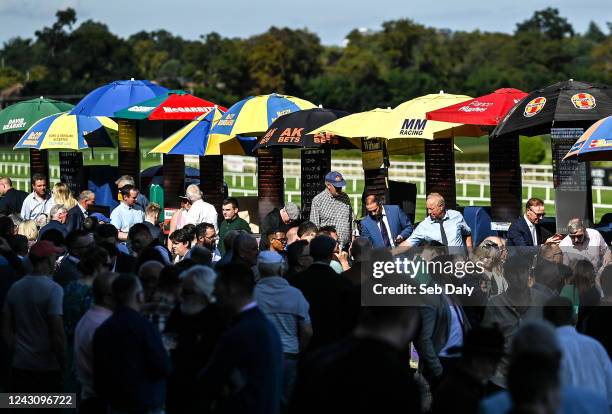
505	180
129	149
211	180
174	169
39	164
316	163
440	169
270	181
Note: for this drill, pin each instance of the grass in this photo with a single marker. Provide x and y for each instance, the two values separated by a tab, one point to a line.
473	148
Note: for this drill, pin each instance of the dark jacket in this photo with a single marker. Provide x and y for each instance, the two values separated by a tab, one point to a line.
130	362
53	224
356	375
459	393
74	219
329	297
252	349
435	329
399	225
125	263
67	271
12	201
519	234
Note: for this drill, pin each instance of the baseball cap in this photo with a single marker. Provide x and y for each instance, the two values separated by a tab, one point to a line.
335	179
44	248
269	257
292	210
101	217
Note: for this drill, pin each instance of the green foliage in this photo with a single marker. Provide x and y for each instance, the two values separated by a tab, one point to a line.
374	69
532	150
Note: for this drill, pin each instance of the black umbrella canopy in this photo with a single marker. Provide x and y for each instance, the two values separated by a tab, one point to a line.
570	103
290	130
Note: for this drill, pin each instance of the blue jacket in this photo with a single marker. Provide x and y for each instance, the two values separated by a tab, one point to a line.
252	349
399	224
519	234
130	363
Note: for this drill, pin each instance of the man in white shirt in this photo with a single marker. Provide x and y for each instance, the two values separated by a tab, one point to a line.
582	243
38	201
83	338
127	213
200	211
585	363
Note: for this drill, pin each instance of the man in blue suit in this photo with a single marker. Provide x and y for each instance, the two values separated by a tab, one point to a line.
385	225
526	230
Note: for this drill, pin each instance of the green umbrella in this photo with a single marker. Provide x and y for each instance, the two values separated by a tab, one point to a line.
22	115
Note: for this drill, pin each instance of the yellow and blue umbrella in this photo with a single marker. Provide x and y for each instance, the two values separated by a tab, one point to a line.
253	116
69	132
595	144
195	139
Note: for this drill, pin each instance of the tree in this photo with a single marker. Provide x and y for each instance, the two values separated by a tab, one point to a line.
548	23
594	33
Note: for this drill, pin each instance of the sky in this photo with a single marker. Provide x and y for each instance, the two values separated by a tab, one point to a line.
332	20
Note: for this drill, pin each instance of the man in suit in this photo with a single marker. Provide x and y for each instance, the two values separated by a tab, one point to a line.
444	325
385	225
248	359
11	199
526	230
78	213
130	364
327	293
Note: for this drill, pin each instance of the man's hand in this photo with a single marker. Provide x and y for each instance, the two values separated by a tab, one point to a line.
343	259
553	240
398	240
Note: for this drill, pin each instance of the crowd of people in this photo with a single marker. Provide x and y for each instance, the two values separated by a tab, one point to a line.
204	317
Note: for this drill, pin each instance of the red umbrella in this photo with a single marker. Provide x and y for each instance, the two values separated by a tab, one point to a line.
485	110
173	106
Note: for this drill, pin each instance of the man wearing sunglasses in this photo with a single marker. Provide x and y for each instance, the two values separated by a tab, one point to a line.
527	230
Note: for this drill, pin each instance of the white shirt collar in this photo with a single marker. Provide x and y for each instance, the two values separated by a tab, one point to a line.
529	223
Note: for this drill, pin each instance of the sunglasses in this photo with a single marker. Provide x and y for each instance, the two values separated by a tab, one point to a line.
540	215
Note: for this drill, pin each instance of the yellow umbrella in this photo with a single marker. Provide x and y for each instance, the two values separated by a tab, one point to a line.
407	120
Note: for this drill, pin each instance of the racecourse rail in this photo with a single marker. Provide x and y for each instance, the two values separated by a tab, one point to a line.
241	176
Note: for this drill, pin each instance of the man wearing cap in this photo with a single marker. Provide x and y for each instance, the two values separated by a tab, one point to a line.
332	207
279	220
287	309
32	325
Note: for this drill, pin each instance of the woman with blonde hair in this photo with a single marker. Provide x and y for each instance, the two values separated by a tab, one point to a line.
61	195
29	229
489	255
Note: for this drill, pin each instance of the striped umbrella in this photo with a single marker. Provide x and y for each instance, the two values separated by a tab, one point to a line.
195	139
69	132
253	116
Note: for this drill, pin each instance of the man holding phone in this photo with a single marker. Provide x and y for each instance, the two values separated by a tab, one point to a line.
527	230
385	225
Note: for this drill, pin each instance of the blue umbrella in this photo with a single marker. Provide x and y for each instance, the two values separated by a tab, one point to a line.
595	144
112	97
